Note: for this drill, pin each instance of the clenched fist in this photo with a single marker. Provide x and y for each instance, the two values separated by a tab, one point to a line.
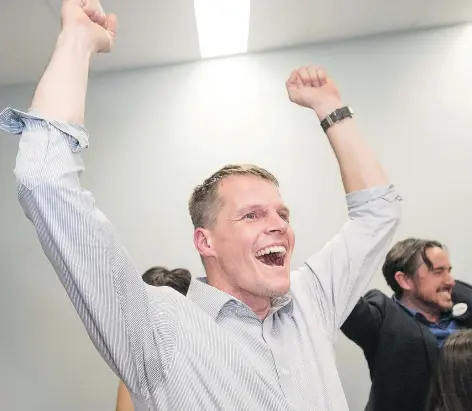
311	87
88	17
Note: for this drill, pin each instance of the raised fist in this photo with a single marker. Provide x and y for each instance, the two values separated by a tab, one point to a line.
311	87
87	16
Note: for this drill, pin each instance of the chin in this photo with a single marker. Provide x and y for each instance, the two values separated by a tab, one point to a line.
444	305
447	306
275	278
279	288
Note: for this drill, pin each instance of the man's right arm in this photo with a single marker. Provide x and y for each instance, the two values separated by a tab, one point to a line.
82	246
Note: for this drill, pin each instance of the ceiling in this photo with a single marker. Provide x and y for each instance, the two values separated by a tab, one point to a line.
157	32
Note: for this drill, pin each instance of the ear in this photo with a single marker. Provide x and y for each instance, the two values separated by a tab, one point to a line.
202	241
404	281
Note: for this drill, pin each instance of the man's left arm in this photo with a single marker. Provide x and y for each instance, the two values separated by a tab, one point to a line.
338	275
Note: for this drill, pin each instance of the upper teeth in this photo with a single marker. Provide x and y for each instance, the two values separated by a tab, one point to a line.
274	249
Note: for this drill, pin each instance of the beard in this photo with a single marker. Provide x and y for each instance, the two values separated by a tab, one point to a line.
440	302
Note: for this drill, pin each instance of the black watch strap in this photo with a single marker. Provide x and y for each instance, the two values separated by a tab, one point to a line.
336	116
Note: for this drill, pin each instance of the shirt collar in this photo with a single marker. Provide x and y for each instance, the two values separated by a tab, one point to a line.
284	302
209	299
212	300
445	315
411	311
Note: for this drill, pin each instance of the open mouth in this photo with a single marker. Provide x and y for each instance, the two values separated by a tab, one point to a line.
272	256
445	293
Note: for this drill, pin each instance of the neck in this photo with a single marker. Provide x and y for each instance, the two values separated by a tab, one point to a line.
430	313
259	305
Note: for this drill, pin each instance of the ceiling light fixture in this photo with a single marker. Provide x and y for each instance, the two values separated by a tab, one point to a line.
223	26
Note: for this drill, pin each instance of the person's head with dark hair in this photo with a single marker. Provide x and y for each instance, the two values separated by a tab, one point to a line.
419	272
178	278
451	389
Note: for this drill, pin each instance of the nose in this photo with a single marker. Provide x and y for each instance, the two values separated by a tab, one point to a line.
450	280
276	224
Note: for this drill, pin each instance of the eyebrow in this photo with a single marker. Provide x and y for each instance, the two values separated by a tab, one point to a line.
244	210
442	267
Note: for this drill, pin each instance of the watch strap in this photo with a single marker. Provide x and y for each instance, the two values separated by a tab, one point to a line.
336	116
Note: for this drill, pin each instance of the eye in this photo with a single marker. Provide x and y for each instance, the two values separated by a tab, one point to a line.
250	216
284	216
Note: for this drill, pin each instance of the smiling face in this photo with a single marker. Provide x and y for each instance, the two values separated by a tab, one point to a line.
431	286
247	251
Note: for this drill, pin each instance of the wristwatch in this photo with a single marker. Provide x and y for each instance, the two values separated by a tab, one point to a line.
336	116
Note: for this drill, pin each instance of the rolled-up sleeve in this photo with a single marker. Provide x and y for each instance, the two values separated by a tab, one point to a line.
337	276
82	246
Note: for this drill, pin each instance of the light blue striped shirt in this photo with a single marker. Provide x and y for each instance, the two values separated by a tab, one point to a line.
208	351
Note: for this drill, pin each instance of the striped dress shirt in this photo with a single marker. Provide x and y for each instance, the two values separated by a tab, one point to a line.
208	351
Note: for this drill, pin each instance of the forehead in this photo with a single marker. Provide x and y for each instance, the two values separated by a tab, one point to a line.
439	259
437	256
240	190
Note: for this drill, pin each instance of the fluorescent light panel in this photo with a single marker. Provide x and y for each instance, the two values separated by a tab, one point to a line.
223	26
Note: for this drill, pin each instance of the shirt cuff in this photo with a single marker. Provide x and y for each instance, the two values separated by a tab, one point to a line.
386	192
15	121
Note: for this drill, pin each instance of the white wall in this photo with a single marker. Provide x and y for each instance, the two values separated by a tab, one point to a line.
157	133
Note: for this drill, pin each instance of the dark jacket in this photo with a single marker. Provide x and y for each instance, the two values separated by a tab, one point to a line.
401	351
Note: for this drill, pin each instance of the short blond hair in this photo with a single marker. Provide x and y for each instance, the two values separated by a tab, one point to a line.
205	201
